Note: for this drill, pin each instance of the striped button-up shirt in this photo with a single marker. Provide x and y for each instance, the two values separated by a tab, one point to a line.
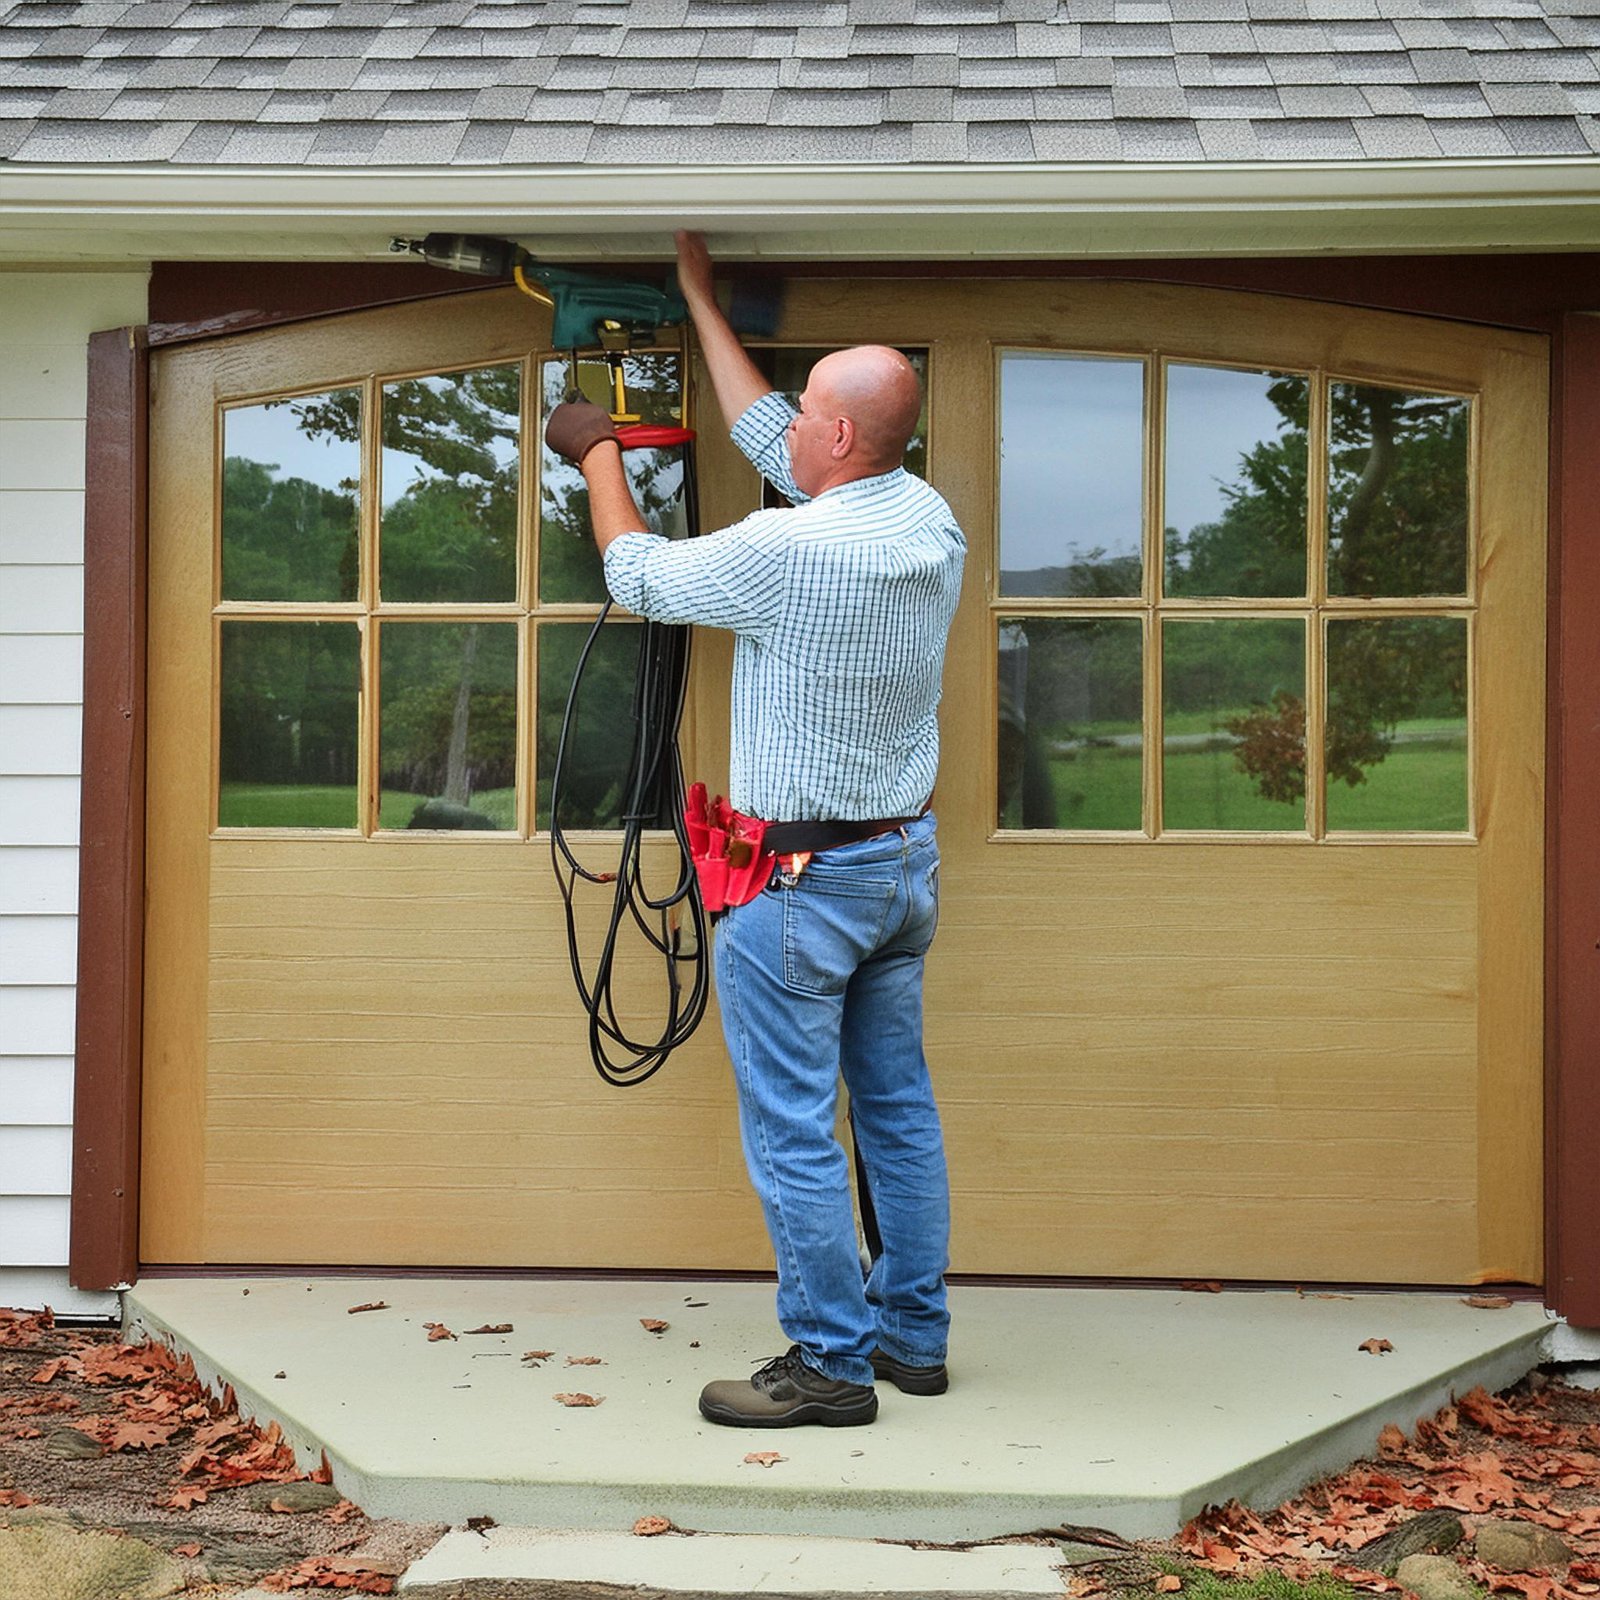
841	607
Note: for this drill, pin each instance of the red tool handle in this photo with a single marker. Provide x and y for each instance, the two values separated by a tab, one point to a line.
651	435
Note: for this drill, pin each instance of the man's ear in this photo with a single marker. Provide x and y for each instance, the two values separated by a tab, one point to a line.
844	438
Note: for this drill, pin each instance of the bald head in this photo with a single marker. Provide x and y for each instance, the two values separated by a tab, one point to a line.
877	389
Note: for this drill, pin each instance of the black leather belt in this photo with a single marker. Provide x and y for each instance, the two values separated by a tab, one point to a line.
796	838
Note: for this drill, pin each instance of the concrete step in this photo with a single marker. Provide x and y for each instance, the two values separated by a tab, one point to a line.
1127	1409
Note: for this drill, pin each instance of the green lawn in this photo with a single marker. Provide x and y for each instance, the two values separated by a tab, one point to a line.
270	805
1420	786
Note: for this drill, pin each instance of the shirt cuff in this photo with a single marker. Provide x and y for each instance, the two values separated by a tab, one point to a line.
624	560
763	424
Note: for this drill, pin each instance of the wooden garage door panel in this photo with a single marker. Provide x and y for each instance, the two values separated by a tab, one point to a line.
1271	1060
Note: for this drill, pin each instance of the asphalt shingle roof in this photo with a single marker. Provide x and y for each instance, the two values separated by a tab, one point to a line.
435	82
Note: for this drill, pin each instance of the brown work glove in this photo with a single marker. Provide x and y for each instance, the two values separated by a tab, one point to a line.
575	427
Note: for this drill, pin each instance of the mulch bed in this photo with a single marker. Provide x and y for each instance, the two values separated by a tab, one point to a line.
1531	1455
118	1436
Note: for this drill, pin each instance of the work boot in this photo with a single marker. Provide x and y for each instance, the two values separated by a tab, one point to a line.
787	1392
908	1379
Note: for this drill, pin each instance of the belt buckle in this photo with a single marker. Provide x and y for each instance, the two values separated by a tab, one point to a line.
791	866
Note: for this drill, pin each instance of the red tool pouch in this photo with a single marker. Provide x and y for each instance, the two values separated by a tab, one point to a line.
725	847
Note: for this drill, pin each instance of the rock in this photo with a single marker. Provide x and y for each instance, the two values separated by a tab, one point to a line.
54	1561
73	1444
1435	1578
293	1496
1514	1546
1428	1533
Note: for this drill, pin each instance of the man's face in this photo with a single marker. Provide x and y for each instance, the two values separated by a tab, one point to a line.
812	436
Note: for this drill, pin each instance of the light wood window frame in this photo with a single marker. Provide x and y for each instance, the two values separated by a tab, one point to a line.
370	612
1316	608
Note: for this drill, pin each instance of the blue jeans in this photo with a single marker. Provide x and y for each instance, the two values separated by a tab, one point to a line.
817	976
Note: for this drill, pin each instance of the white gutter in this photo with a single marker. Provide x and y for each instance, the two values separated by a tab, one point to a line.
103	213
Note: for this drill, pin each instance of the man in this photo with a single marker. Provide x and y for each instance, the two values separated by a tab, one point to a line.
841	607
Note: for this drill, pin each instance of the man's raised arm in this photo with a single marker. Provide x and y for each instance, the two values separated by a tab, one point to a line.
734	375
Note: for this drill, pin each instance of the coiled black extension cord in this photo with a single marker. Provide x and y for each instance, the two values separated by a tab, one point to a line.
674	924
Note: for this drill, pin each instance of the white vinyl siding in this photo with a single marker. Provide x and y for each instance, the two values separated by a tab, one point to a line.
45	321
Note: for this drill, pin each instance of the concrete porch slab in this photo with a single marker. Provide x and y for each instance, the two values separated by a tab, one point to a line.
1128	1409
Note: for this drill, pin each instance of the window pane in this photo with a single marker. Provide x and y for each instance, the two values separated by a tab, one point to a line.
569	566
1397	723
1236	482
1397	492
1233	709
291	471
450	486
447	735
290	693
602	736
1071	723
789	367
1071	475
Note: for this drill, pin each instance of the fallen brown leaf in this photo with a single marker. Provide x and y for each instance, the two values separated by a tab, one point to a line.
187	1551
649	1527
437	1330
1486	1302
1201	1285
140	1435
1375	1347
48	1370
535	1358
763	1458
1391	1441
493	1327
585	1361
1168	1583
653	1324
333	1572
371	1305
15	1497
578	1399
343	1512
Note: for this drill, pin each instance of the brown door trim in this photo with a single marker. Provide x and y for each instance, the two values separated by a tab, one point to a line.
104	1251
1572	1117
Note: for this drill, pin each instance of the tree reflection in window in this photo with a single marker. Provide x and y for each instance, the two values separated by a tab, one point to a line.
290	486
449	476
1398	491
603	725
570	568
1397	723
447	731
287	752
1236	454
1233	723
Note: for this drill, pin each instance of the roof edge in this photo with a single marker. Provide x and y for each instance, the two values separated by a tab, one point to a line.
804	211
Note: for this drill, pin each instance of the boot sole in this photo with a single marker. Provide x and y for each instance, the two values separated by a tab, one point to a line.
911	1380
812	1411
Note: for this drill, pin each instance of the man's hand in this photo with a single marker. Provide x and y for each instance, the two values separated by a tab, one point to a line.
695	273
733	375
575	427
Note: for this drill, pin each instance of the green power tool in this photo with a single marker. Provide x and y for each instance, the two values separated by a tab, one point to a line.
590	309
